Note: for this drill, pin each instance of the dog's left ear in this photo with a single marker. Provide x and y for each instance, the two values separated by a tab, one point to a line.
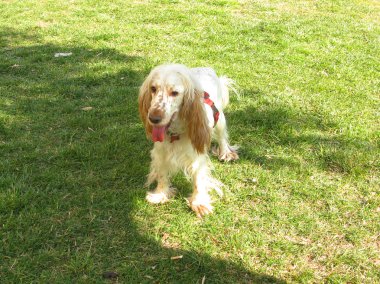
145	98
194	114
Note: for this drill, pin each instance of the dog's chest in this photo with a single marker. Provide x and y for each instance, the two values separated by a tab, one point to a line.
177	127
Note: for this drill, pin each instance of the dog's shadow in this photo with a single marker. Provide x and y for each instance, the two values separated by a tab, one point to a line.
75	160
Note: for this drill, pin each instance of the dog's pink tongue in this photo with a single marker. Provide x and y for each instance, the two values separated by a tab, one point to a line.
158	133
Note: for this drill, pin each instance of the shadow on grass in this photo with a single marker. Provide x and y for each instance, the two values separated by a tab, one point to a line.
74	157
272	135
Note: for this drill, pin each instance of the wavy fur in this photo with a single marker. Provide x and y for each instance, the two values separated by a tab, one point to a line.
176	93
194	113
145	98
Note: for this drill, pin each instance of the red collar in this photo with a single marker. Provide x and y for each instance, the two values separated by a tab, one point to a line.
174	137
207	101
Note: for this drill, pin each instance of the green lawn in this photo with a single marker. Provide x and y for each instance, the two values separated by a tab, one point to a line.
301	205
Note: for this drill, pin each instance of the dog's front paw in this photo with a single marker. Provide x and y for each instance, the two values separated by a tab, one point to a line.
201	206
229	154
157	197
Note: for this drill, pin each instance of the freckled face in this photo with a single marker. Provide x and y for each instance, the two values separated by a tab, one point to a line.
167	96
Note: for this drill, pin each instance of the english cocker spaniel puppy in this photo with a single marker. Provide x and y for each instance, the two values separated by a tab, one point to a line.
182	109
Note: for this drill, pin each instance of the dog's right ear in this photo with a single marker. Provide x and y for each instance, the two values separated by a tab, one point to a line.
145	98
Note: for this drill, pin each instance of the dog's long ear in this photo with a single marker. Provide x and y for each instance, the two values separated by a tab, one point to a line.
194	114
145	98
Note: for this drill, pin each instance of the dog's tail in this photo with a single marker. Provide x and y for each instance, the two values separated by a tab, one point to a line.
227	86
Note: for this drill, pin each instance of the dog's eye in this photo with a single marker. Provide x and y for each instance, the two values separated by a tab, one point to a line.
174	93
153	89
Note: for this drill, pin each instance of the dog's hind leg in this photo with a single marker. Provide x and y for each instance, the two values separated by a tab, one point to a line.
225	151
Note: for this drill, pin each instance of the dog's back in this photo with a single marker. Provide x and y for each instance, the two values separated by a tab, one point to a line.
217	87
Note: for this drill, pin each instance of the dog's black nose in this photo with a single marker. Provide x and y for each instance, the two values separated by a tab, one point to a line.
155	119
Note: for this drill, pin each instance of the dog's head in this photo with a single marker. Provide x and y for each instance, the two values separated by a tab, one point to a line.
171	92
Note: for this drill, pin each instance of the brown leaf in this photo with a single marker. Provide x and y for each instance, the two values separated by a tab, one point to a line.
42	24
165	236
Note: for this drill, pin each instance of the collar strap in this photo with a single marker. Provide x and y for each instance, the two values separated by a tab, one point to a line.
207	101
174	137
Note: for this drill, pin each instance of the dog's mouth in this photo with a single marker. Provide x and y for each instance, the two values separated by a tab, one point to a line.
158	132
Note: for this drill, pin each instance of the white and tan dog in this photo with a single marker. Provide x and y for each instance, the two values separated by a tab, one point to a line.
182	109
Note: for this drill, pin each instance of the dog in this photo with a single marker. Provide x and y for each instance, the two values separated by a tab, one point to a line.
182	110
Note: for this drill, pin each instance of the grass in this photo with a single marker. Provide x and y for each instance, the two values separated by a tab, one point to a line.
301	205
